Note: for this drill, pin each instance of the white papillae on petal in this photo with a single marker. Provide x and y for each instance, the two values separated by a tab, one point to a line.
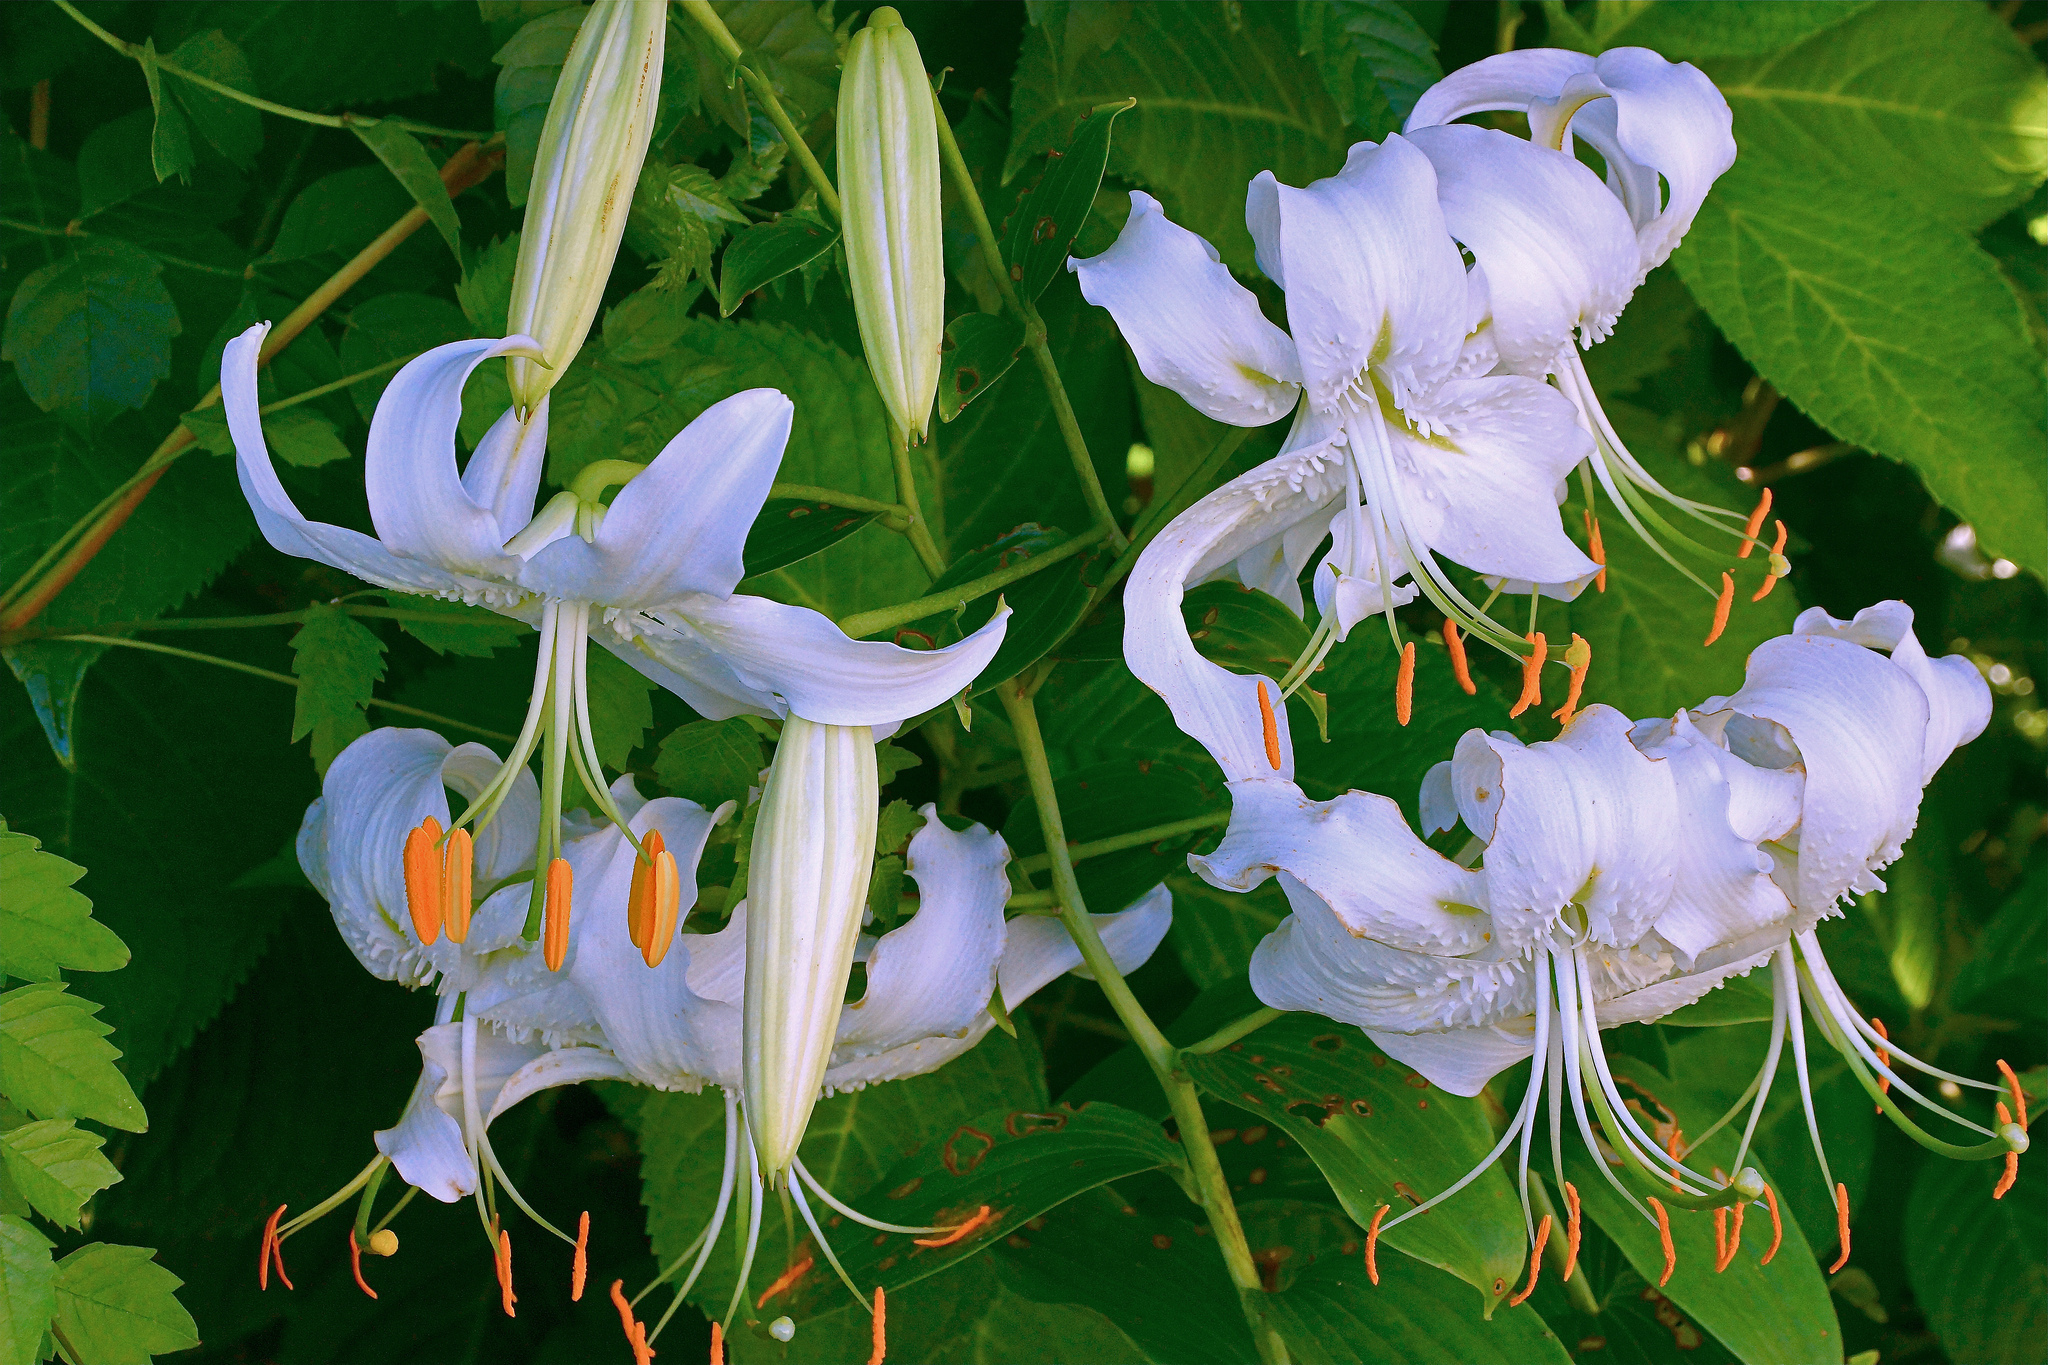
1192	327
1358	855
279	518
1958	698
793	660
1559	255
1376	283
417	499
1460	1061
1650	1003
1356	596
1860	724
680	526
503	475
1584	819
931	978
352	840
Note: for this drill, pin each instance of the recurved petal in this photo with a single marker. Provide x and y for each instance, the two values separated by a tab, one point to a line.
1508	80
679	527
1670	118
1958	698
1191	326
426	1144
561	1066
1462	1060
503	473
1653	1002
1436	804
1040	949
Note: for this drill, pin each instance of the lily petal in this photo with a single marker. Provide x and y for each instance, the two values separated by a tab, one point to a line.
1958	698
1351	597
427	1143
1507	80
1671	119
1460	1061
503	473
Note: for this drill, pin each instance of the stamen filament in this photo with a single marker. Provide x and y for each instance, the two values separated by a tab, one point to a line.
2011	1173
708	1237
2019	1096
270	1250
795	1187
739	1290
1884	1059
847	1212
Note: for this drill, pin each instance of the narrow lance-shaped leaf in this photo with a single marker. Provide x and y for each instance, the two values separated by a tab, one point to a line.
1044	225
403	156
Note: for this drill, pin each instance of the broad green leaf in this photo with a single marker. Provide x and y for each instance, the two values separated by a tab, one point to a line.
1118	797
324	57
978	350
90	333
1044	607
485	289
392	326
58	1166
170	144
457	628
1635	1320
1374	58
1222	95
529	66
46	927
116	1304
1938	104
1381	1135
621	707
1044	226
302	437
28	1291
55	1061
790	529
340	212
1902	337
338	662
2011	956
1686	32
710	761
1214	932
409	163
235	129
768	251
1334	1315
114	163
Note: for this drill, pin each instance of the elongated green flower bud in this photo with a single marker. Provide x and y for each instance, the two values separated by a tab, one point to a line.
889	195
591	148
807	883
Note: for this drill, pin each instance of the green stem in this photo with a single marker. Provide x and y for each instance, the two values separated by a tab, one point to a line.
1033	900
886	618
273	676
1137	838
1164	510
832	497
764	90
906	488
1210	1185
1230	1033
984	235
134	52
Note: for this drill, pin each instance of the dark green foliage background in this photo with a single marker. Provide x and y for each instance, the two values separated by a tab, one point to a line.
1856	319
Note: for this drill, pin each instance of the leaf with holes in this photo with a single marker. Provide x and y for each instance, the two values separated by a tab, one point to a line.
47	928
1043	227
978	350
57	1166
767	252
338	663
55	1061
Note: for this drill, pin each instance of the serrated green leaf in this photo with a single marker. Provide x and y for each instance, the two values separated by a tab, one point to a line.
46	928
392	326
234	129
1044	226
116	1305
1222	95
891	759
55	1061
1900	337
1374	58
979	349
458	628
768	251
57	1165
90	333
338	662
621	708
485	289
898	821
28	1291
409	163
710	761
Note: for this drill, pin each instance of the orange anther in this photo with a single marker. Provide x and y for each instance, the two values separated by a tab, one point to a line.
1535	1262
1404	685
555	931
1778	567
1841	1225
272	1252
1674	1147
1572	1229
2012	1159
784	1281
643	1353
423	879
456	864
625	1308
1884	1058
1777	1226
1720	1240
1578	657
1271	726
1721	608
1596	551
717	1346
505	1295
956	1234
881	1332
1460	669
1664	1238
640	900
1372	1244
1532	674
2019	1096
1756	523
667	896
355	1264
579	1269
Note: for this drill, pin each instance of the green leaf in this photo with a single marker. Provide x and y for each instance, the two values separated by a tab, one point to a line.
458	628
46	928
485	289
55	1061
327	57
340	212
2011	956
1044	226
1334	1315
117	1305
1222	95
1214	932
1374	58
114	164
621	708
58	1166
979	349
28	1291
790	529
1938	104
1044	607
90	333
170	145
338	662
530	65
1381	1134
394	326
899	820
1976	1264
1902	337
302	437
767	252
1744	999
1121	796
403	156
1685	32
233	128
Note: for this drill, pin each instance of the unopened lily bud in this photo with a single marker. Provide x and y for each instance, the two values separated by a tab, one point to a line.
807	884
889	200
588	162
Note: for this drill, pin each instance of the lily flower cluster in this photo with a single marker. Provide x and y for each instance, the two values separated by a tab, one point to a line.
1616	874
1438	291
640	994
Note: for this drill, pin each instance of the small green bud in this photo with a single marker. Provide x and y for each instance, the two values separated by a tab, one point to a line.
889	197
584	172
